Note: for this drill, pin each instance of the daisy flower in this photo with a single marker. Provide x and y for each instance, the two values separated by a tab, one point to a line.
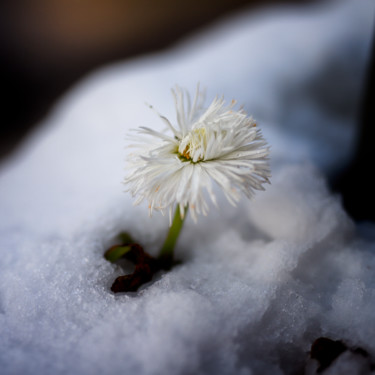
178	166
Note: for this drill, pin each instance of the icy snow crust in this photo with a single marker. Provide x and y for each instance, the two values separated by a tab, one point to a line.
258	283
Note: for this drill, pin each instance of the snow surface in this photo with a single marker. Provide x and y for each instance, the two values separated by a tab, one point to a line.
258	283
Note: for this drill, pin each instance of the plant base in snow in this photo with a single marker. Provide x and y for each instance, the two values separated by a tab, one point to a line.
146	266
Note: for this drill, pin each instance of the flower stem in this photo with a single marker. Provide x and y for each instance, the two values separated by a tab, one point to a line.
166	252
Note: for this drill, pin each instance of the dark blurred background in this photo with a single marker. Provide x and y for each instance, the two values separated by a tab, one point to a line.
47	45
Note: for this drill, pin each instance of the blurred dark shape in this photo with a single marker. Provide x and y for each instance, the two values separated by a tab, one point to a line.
47	45
357	183
325	351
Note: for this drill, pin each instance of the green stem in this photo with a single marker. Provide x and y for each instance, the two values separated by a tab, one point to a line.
167	249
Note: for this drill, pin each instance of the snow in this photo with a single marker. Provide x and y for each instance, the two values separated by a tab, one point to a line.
257	283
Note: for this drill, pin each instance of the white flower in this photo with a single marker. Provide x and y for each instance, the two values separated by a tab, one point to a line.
218	145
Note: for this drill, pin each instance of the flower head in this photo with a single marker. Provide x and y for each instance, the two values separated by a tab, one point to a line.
218	144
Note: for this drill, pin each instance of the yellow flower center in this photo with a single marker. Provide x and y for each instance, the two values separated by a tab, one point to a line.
193	145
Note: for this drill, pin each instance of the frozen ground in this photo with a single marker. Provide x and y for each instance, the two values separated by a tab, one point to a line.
258	284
